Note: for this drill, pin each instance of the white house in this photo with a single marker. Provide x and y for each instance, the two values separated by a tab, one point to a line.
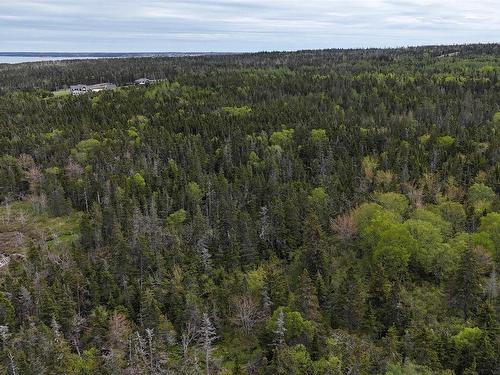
83	89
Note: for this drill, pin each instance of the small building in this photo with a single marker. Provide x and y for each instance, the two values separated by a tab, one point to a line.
102	86
78	89
83	89
143	81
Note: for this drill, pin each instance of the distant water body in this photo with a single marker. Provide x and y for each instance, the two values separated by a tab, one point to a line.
24	59
12	58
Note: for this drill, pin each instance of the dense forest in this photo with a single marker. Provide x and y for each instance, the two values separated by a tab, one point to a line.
314	212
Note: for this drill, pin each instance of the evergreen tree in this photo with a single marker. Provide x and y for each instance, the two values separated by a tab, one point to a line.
313	252
349	301
466	290
307	297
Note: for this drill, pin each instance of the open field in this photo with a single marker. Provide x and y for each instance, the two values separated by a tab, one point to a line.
21	227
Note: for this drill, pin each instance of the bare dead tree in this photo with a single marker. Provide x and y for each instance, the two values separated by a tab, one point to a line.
13	367
207	337
119	331
246	313
279	331
34	177
206	257
415	195
77	327
492	285
73	169
26	161
4	335
189	335
344	226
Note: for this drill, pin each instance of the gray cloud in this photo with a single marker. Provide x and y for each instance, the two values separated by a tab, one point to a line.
241	25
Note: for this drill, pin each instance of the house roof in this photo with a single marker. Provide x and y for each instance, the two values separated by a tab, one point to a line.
106	85
77	87
96	87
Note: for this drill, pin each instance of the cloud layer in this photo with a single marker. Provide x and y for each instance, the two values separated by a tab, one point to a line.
241	25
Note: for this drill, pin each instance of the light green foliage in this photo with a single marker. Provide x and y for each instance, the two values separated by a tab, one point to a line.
320	77
54	171
140	122
364	131
371	220
177	218
424	139
282	138
483	240
487	69
394	202
54	135
254	159
194	191
496	118
369	165
318	198
467	337
95	101
295	324
429	242
451	79
85	149
481	197
132	132
292	360
365	213
452	212
436	220
394	249
445	141
139	180
318	135
256	280
237	111
173	167
88	145
163	90
60	93
460	242
490	224
86	363
331	365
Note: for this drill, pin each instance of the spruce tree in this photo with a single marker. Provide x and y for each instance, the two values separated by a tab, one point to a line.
466	290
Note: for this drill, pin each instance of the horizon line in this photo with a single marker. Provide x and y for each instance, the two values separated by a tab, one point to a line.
51	53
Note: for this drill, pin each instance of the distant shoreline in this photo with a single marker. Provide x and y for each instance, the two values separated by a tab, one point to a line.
108	54
27	57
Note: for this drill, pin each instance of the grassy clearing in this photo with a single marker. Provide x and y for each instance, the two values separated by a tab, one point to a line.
64	92
21	226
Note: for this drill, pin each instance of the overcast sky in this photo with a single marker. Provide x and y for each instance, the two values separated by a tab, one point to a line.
241	25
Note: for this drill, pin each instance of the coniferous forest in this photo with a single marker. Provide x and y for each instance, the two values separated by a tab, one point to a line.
312	212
